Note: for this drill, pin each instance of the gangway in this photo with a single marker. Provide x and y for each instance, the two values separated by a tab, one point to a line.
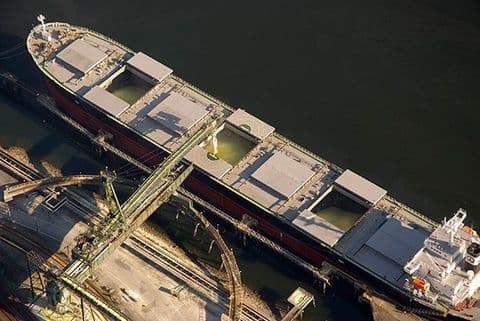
300	298
9	192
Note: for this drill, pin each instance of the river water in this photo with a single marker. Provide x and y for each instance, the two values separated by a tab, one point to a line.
387	88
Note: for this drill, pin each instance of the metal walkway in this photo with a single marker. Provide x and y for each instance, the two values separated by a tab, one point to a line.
15	190
103	238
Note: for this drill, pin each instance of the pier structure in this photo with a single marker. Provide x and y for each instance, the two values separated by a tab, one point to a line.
189	199
75	284
184	200
154	191
11	191
300	299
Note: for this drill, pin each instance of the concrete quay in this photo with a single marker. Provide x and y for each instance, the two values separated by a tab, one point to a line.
383	310
142	283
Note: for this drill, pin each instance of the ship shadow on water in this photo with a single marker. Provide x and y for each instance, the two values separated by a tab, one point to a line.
48	231
14	58
48	145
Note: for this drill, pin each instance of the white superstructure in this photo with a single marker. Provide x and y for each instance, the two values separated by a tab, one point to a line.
442	269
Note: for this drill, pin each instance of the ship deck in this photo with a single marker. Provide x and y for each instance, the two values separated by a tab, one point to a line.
172	110
385	239
279	176
71	78
276	174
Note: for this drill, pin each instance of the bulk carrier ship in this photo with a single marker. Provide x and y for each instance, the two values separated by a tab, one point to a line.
246	168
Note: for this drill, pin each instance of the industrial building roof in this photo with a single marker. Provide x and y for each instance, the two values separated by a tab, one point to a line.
360	186
81	55
149	66
106	100
250	124
318	227
283	174
177	113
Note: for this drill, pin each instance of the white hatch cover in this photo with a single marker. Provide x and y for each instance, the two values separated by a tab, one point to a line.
397	241
360	187
106	100
149	66
318	227
81	55
250	124
283	174
178	113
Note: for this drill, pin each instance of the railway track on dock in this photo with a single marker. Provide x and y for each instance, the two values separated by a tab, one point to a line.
18	240
16	167
195	278
208	287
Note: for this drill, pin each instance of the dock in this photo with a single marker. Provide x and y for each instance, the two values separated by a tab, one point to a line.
118	228
193	278
383	310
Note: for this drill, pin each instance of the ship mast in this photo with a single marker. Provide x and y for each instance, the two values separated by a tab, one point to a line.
46	35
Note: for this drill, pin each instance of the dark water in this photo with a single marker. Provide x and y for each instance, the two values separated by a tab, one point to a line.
270	277
388	88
